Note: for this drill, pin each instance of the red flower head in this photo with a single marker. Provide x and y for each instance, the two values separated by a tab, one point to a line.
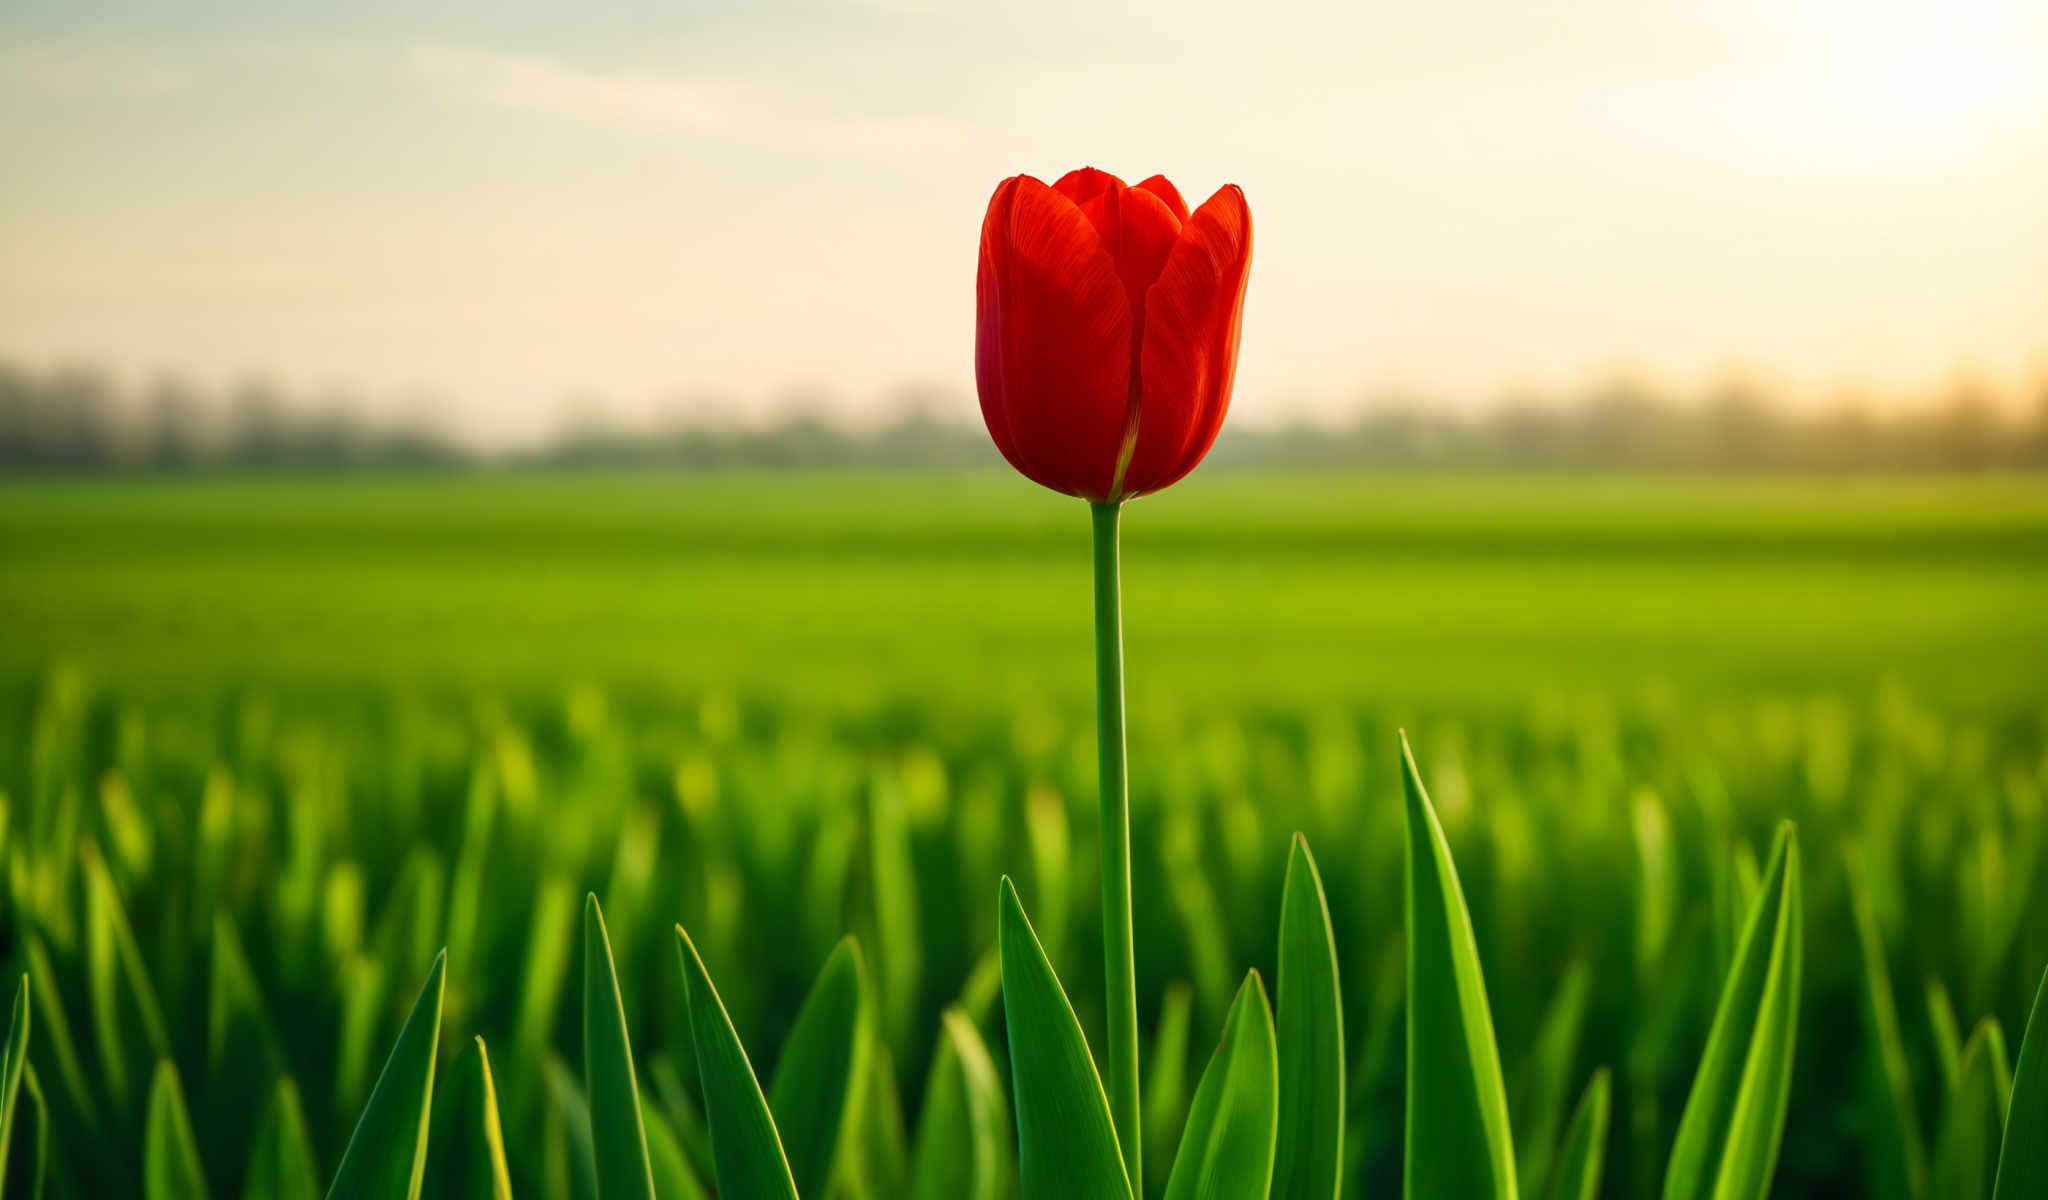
1106	328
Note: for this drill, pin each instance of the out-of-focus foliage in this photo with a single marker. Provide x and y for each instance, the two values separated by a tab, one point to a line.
343	843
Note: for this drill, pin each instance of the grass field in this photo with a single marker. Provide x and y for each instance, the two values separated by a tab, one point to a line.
838	590
268	744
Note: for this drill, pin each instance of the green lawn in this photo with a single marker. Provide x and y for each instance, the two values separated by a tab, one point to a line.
1242	589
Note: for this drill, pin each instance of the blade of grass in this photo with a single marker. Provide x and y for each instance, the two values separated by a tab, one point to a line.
823	1067
466	1146
1066	1141
1972	1122
1166	1087
744	1143
1585	1141
170	1154
281	1156
1233	1124
1310	1031
1734	1121
2023	1157
386	1156
617	1137
962	1133
1547	1074
674	1179
1458	1142
1898	1154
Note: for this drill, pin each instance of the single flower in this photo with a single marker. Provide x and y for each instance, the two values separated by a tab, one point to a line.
1106	328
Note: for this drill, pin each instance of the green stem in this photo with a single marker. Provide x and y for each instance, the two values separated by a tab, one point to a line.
1120	975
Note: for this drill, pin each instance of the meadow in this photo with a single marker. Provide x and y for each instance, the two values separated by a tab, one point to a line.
269	744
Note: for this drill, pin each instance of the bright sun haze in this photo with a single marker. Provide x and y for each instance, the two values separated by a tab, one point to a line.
514	205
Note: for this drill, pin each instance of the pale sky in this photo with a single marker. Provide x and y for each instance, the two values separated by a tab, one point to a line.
508	204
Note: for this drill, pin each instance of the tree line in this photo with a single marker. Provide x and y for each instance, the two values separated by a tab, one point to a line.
76	421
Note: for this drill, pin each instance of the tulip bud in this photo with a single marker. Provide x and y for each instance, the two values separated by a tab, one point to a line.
1106	328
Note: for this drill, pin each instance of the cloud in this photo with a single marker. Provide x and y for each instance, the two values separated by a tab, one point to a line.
92	72
738	111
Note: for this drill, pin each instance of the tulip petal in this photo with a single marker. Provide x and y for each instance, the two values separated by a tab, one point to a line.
988	308
1053	340
1162	187
1189	357
1149	233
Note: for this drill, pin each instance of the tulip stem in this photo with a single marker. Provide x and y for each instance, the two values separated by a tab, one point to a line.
1120	976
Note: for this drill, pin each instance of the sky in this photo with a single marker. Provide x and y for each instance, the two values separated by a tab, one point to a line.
524	209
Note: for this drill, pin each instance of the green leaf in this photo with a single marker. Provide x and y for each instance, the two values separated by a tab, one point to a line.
127	1020
744	1144
243	1058
618	1140
963	1132
674	1179
577	1164
1897	1155
466	1147
1578	1161
281	1158
1166	1087
884	1146
387	1154
1972	1121
1948	1041
1727	1147
170	1154
1227	1151
1066	1142
2023	1160
1538	1103
1458	1142
13	1067
13	1063
33	1173
822	1069
892	884
1310	1029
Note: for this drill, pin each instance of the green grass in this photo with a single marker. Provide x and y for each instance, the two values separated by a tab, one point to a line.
268	745
1240	589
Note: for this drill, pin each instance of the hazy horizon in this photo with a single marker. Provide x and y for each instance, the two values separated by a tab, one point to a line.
508	207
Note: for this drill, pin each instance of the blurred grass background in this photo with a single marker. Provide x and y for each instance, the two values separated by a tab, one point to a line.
837	589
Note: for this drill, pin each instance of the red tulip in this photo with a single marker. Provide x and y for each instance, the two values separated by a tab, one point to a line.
1106	328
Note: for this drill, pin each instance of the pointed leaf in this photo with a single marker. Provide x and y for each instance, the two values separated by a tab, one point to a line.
618	1140
1538	1103
127	1020
1585	1142
674	1178
1066	1142
1897	1157
823	1066
170	1154
743	1140
1310	1031
1458	1143
466	1147
1972	1121
2023	1160
281	1160
1227	1151
963	1132
13	1064
1166	1087
387	1154
1727	1147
